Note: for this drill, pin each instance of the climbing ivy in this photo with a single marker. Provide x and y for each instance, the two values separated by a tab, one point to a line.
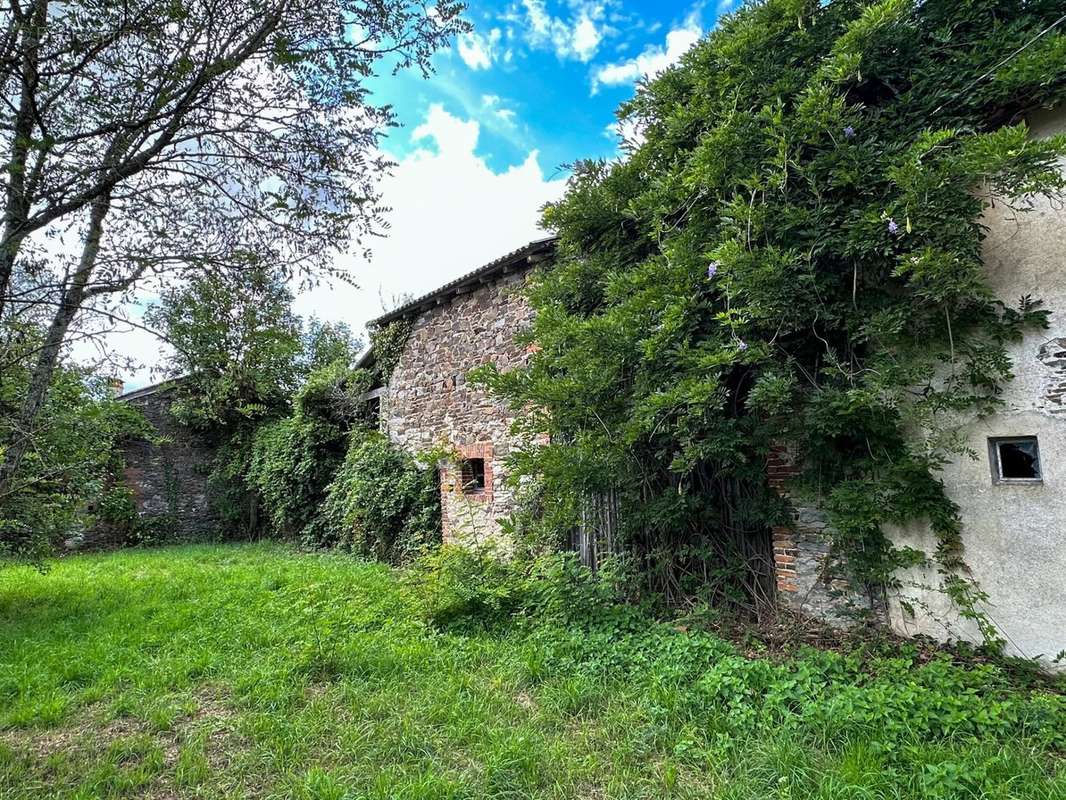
791	253
388	341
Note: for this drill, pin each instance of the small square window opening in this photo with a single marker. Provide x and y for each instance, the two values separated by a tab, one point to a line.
473	475
1015	460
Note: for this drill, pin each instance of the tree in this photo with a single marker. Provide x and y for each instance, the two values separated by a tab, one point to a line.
69	479
172	138
792	254
236	348
277	397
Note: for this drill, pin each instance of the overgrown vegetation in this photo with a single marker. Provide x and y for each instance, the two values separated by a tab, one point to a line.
299	456
250	671
247	127
791	254
381	503
71	479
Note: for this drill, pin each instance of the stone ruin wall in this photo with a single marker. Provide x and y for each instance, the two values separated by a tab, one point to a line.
1012	535
169	478
430	403
805	582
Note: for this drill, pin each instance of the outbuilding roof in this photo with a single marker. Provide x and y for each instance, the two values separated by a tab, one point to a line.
522	258
153	388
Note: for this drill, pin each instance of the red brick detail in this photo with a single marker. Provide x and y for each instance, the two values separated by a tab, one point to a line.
450	479
779	471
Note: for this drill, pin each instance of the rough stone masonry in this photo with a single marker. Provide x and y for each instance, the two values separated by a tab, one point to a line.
169	474
428	403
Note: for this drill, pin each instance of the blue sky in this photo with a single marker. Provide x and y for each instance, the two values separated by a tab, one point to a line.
546	74
483	141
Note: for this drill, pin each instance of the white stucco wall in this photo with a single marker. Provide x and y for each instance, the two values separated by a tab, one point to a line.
1014	535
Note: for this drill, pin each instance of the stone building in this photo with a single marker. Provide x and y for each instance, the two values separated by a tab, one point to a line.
1012	496
168	474
428	402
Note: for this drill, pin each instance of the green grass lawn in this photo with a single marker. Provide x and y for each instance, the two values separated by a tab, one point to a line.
252	671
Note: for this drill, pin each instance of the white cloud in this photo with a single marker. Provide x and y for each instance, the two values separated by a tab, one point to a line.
653	60
578	36
477	51
586	38
493	104
450	214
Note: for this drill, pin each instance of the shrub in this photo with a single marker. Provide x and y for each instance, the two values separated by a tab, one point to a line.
72	467
333	393
292	463
381	503
465	587
475	587
804	267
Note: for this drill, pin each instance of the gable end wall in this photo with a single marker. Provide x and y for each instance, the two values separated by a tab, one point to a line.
429	401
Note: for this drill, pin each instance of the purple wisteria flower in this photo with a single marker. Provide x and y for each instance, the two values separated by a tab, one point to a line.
849	132
893	228
742	345
712	269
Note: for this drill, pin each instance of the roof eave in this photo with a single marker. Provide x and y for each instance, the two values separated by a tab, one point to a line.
525	257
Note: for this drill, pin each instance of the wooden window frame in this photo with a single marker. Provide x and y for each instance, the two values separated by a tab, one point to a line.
996	465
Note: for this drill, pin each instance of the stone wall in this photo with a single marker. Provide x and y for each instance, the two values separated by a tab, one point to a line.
1013	535
805	582
169	478
430	403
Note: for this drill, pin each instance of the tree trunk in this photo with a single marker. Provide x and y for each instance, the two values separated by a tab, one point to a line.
16	204
48	357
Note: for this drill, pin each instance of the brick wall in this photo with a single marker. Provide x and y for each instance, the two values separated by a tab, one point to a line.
801	556
429	401
779	469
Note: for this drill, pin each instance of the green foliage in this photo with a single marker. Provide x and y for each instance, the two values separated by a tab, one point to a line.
316	676
237	346
465	588
325	343
380	503
333	393
791	255
292	462
388	342
70	479
277	397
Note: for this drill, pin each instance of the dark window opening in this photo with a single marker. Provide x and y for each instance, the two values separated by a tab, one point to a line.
473	475
373	411
1015	460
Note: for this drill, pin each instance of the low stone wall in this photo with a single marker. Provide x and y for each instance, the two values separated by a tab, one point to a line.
169	477
805	582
